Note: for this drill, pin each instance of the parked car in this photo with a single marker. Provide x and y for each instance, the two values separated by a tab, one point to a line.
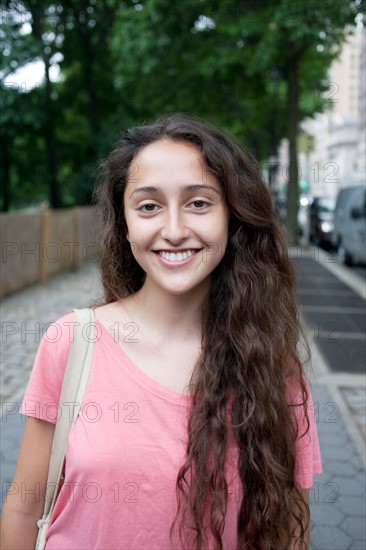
349	236
321	221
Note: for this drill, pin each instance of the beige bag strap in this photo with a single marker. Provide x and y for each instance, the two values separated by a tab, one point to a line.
72	392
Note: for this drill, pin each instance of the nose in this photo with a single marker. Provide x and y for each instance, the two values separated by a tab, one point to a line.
174	226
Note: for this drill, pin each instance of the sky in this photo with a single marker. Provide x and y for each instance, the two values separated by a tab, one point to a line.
27	77
32	74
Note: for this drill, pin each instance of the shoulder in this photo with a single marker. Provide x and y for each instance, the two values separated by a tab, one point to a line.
45	382
111	313
54	347
59	334
112	309
55	344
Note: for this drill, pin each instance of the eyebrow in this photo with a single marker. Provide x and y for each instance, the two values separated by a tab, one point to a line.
195	187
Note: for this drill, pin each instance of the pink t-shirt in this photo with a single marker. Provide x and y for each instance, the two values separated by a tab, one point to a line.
125	449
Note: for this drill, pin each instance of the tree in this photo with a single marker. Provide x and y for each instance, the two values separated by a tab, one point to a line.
17	50
22	47
64	126
302	39
167	56
43	27
255	68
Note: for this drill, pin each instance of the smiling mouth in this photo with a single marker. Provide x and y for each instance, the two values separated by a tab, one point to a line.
177	256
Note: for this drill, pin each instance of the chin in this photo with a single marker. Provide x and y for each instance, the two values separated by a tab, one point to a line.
180	290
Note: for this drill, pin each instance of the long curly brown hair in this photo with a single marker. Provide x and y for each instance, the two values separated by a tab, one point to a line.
250	344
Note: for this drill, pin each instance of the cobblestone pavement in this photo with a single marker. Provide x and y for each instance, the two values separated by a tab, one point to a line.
356	402
26	315
337	498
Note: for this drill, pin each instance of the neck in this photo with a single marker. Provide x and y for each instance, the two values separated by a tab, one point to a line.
165	316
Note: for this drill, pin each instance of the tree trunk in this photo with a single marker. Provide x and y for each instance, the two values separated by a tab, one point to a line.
6	175
293	119
90	87
53	186
272	166
49	128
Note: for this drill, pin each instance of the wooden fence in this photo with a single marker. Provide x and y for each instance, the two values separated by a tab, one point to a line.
35	246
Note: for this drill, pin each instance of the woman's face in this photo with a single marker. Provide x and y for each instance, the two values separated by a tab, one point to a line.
176	216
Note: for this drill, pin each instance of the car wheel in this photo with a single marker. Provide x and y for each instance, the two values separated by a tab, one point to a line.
343	256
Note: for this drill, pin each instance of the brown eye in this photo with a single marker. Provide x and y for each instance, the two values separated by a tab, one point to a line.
200	203
146	205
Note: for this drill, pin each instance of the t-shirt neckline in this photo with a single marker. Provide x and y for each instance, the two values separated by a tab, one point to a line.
139	375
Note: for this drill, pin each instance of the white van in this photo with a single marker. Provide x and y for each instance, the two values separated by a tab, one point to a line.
349	236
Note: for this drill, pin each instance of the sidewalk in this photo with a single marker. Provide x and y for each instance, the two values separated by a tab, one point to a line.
337	498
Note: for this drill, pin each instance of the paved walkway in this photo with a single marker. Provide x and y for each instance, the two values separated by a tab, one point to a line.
25	316
337	497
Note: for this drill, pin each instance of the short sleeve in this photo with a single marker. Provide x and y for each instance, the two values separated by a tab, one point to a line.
42	394
307	449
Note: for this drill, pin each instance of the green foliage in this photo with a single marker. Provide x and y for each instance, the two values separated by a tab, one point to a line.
126	62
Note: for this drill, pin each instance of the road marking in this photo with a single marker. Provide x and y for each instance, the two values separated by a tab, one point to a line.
333	381
325	291
342	335
321	279
335	309
352	279
343	379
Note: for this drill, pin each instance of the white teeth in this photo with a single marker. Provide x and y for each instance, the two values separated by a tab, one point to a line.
173	257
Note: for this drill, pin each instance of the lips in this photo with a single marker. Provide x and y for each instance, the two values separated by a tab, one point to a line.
175	251
176	259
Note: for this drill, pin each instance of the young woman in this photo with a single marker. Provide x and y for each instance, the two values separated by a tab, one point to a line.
197	427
